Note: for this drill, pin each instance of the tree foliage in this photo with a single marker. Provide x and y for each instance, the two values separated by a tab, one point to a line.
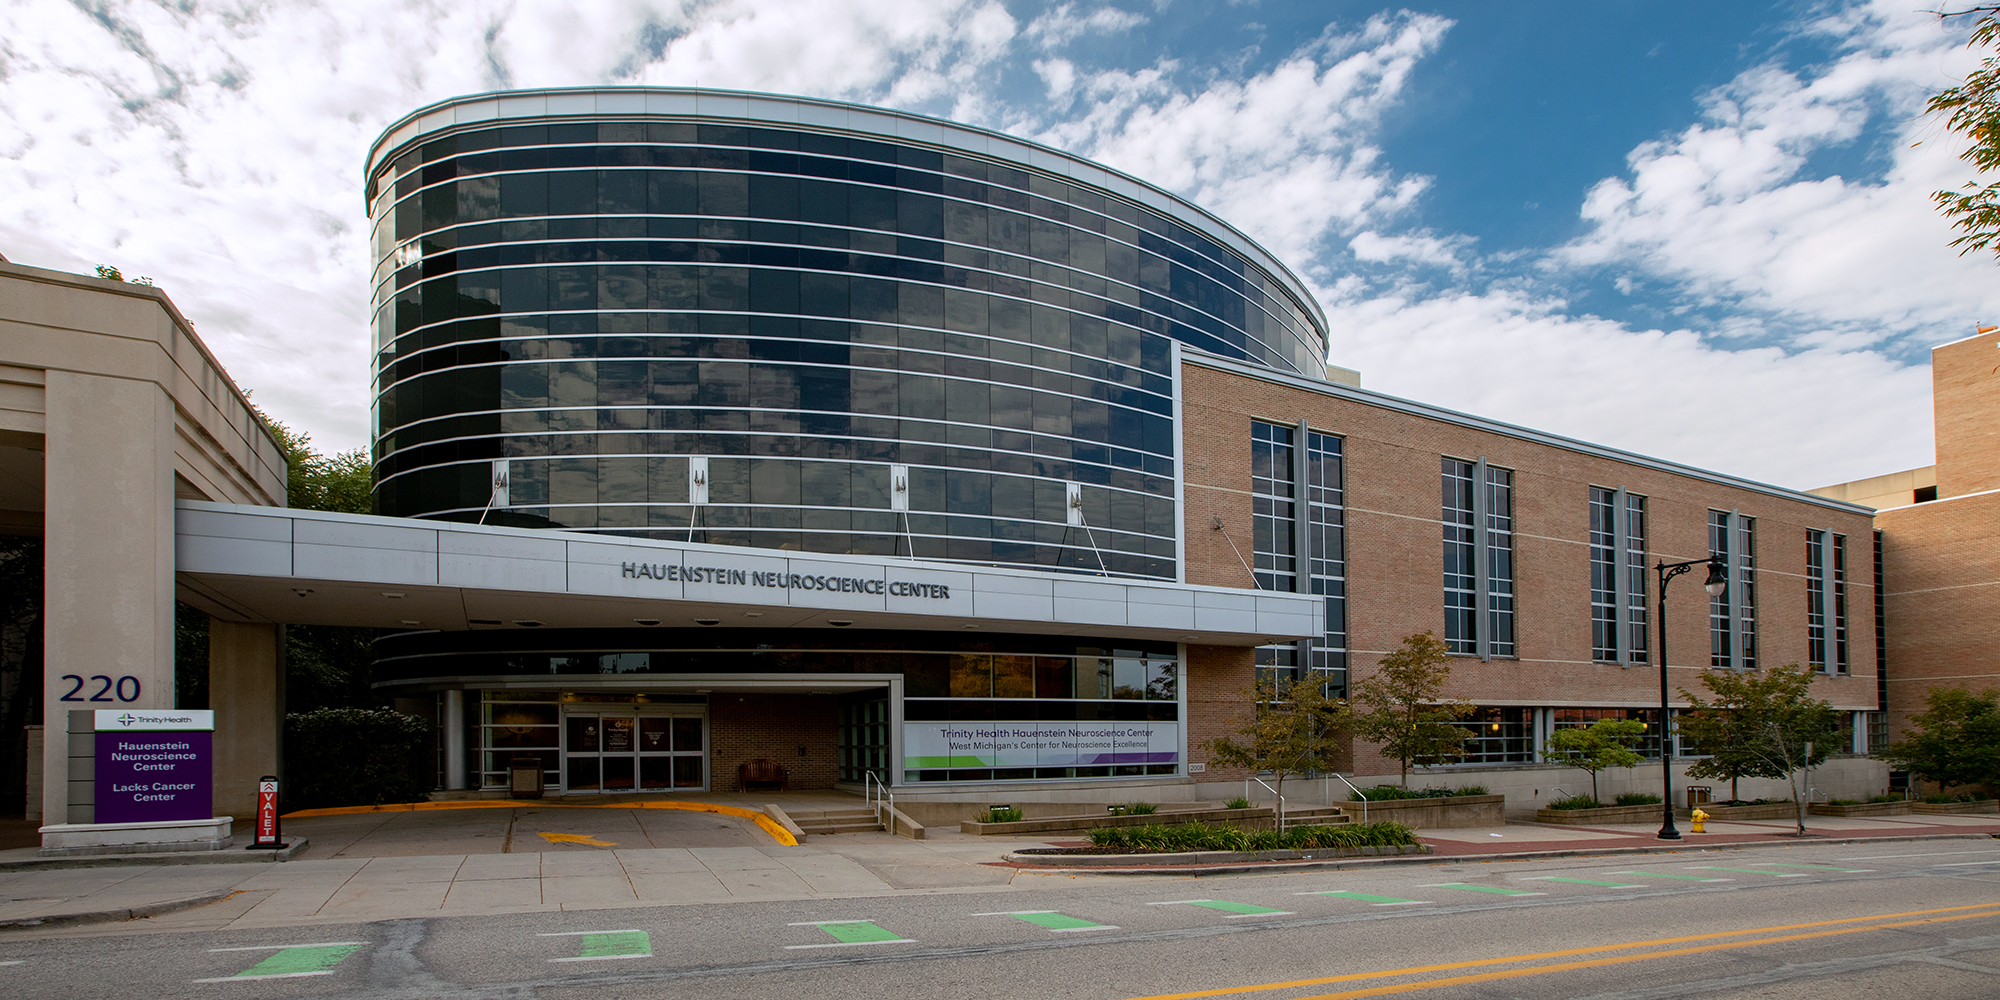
338	482
1972	109
356	757
1298	729
1604	744
1761	724
1956	741
1404	707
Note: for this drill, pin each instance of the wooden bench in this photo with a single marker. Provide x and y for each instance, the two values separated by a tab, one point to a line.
762	771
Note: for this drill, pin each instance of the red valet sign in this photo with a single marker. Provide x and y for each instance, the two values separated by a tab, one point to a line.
267	812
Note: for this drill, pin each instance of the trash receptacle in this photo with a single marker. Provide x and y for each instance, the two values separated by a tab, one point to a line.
1699	795
524	778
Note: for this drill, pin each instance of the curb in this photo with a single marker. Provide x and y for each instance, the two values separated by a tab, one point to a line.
56	920
232	855
1198	870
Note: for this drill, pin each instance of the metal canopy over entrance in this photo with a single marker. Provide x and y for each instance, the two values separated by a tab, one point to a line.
307	567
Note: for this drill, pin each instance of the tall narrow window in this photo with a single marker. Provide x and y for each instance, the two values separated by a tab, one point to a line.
1732	615
1478	519
1461	633
1274	529
1326	552
1500	561
1617	576
1826	601
1272	493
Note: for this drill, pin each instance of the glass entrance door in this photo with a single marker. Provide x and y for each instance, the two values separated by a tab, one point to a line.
605	752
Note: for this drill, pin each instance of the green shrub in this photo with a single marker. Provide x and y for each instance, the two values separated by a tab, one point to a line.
1135	809
1638	799
1843	802
1381	793
1238	802
1890	797
1160	838
999	816
356	757
1576	802
1942	798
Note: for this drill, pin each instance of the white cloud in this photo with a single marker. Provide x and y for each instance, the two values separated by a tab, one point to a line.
1283	155
1417	248
1760	413
1728	210
1062	25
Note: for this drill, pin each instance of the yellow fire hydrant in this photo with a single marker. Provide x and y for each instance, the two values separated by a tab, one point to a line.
1699	817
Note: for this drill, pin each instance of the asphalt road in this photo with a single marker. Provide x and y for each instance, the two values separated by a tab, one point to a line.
1823	921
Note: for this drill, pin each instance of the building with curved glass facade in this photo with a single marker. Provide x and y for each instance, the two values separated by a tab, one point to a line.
876	333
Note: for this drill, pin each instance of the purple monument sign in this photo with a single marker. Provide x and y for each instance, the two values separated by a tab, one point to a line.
154	765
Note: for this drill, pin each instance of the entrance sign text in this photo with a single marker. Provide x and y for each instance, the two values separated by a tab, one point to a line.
154	766
681	573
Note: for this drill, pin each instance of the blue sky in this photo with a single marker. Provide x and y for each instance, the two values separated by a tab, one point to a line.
1695	230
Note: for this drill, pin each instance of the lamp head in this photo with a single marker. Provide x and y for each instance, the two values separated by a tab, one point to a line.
1718	579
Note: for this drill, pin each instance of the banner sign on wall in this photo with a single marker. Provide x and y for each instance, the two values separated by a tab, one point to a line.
1039	744
154	765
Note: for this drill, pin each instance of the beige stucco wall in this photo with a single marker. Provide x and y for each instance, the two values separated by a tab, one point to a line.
110	401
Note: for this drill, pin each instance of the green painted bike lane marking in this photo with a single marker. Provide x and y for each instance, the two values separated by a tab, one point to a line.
1586	881
602	946
849	934
1060	923
1749	871
1492	889
1687	878
1364	897
1236	911
291	961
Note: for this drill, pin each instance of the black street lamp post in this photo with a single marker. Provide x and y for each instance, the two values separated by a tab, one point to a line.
1717	582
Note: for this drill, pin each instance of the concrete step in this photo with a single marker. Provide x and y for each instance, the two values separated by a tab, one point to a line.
833	828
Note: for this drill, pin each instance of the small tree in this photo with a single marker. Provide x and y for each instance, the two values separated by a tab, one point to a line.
1771	729
1298	729
1405	710
1605	743
1955	742
1972	109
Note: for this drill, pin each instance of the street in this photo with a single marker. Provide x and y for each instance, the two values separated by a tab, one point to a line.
1825	920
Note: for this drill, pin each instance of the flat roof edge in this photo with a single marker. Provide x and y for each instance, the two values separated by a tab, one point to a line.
1385	401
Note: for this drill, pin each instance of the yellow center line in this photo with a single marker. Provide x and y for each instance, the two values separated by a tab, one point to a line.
1487	977
1985	909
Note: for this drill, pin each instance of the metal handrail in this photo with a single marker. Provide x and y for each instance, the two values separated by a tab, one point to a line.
869	783
1357	794
1273	791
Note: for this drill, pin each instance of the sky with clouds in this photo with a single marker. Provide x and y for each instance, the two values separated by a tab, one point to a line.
1697	230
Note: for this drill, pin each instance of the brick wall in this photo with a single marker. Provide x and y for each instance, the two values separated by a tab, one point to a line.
1941	570
1965	396
1395	548
744	727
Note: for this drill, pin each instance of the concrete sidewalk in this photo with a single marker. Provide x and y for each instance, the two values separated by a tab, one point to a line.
540	857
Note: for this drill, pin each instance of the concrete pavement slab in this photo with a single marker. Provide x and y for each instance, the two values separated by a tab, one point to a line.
680	887
582	890
660	861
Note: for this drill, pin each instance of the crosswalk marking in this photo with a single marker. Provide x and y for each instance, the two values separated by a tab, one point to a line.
1494	889
1236	911
603	946
1688	878
849	934
1364	897
1585	881
292	961
1058	922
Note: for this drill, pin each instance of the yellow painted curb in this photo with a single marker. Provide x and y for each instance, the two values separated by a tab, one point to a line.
766	823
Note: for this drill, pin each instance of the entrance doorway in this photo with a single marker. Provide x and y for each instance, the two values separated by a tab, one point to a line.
635	751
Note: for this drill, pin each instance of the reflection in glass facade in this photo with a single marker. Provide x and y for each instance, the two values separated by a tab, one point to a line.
596	298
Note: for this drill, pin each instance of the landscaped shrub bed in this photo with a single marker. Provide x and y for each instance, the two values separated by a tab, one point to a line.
1638	799
1160	838
1381	793
1576	802
1939	798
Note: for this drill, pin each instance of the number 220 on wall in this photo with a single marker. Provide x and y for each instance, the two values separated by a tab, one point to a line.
123	688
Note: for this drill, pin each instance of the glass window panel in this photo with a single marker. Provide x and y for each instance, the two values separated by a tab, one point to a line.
654	734
971	675
583	774
687	735
1013	677
585	734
